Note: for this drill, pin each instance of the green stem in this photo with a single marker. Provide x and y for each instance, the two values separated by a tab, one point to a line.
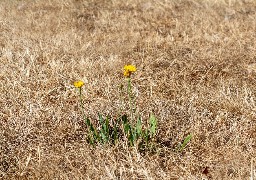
93	135
129	86
81	102
87	121
121	96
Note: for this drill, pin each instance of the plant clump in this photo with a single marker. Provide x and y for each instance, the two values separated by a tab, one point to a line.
112	130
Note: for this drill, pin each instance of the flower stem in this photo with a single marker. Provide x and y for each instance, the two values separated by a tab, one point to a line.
81	100
88	122
129	87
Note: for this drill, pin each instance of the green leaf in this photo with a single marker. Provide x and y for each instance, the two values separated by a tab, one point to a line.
127	128
185	142
88	122
107	126
92	132
103	137
90	138
115	134
132	137
153	125
103	128
104	131
139	128
101	119
146	136
95	133
124	119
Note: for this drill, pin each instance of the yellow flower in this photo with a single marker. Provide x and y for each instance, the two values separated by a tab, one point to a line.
78	84
128	70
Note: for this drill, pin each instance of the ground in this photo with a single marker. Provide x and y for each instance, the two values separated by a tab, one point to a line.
196	71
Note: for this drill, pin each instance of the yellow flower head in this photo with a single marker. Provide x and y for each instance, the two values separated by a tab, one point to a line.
128	70
78	84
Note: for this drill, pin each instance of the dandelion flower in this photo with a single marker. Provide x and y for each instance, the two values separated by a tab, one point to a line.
78	84
128	70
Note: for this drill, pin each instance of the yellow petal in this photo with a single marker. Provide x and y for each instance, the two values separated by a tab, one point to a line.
78	84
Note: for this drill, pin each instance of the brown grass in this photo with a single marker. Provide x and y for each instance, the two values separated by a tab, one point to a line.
196	72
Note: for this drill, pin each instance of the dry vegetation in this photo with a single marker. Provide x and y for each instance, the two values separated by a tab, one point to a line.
196	72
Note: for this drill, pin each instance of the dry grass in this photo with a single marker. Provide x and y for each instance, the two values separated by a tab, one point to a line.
196	72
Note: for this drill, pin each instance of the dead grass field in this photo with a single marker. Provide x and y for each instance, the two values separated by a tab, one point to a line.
196	64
